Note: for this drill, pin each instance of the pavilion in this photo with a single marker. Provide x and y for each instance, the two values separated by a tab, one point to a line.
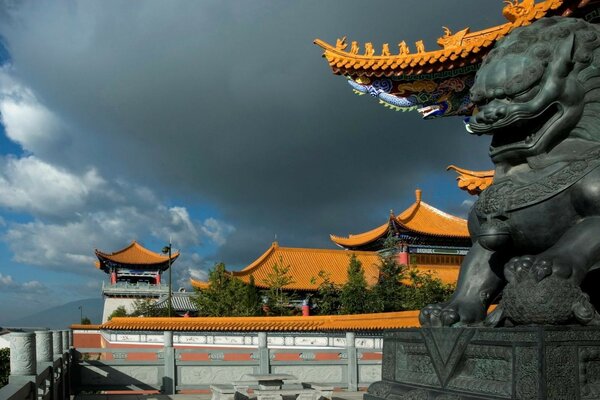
135	273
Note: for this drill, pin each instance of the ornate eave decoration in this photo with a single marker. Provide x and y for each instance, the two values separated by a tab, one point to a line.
437	82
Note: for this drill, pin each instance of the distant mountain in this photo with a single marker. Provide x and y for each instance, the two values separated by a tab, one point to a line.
61	317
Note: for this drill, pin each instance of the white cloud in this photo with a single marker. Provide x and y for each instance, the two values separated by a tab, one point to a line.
217	230
8	284
30	185
26	121
6	280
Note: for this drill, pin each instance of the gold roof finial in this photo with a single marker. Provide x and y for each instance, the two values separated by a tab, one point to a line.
385	50
515	10
341	44
354	48
369	51
420	46
403	48
452	40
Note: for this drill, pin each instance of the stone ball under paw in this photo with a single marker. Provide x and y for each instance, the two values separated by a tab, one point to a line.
548	301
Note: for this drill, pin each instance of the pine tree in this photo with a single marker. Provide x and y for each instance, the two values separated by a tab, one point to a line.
278	299
388	292
327	298
355	298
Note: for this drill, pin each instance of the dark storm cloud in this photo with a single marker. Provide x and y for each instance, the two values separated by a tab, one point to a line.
229	103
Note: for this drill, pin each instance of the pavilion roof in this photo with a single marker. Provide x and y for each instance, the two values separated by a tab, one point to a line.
473	182
305	265
458	50
134	254
420	218
357	322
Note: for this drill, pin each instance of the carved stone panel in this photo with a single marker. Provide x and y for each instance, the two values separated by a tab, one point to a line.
198	375
314	373
525	363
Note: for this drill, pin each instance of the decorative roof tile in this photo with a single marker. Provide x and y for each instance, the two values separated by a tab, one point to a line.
452	67
462	43
358	322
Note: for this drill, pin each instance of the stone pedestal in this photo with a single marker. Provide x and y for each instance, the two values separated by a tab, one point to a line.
490	363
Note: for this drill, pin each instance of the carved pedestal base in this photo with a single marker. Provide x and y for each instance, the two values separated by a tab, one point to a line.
545	363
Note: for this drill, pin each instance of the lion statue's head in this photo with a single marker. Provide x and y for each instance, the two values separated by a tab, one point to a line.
539	86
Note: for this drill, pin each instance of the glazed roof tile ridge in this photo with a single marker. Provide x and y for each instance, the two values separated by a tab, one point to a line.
338	58
135	246
376	321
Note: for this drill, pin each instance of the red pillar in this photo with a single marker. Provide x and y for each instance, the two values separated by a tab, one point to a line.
113	277
158	279
305	309
403	256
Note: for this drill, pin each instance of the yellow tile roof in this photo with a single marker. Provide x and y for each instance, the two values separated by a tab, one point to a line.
458	50
357	322
305	265
420	218
473	181
134	254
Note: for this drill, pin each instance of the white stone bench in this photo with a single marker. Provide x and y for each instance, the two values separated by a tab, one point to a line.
321	390
222	392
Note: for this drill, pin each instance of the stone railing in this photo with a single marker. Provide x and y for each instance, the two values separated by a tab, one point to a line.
44	365
39	366
170	369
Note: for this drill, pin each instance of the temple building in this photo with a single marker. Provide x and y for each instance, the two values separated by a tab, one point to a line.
134	273
426	238
429	239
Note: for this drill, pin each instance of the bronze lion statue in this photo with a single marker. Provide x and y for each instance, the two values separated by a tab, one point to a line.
536	229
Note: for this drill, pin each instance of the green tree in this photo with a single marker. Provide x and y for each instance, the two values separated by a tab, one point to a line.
148	308
85	321
355	298
278	299
4	366
327	298
388	292
118	312
251	300
423	288
227	295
